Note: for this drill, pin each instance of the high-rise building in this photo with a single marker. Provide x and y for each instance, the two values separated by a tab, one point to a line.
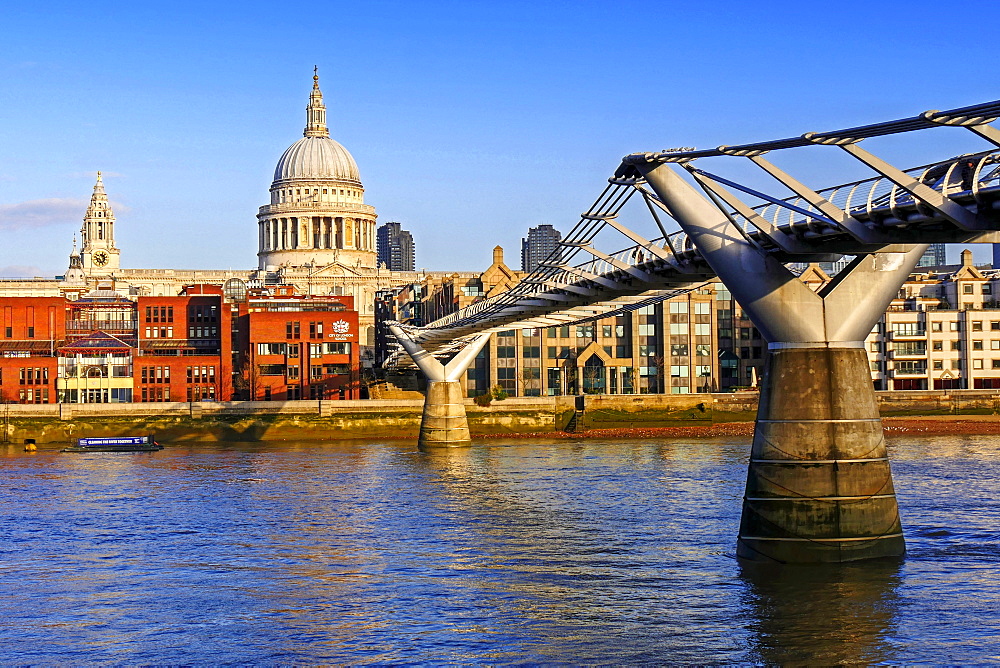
933	257
539	244
395	247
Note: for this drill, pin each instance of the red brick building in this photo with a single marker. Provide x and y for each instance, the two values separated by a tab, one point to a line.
298	347
201	345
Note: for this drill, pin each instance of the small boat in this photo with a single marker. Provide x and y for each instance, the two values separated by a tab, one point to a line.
116	444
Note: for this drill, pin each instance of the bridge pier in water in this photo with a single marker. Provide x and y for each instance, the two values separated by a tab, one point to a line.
819	486
444	423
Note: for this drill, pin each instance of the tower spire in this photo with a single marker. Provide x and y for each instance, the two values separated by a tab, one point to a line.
316	111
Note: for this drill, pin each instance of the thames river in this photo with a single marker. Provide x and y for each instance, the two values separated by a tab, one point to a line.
576	552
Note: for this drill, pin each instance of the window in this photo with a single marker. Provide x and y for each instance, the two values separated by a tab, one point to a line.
977	364
954	326
315	350
678	307
873	347
506	351
938	365
703	329
977	345
702	308
996	364
937	345
531	351
935	326
271	370
606	330
292	373
994	345
977	326
967	289
676	349
956	345
339	348
679	371
291	330
703	350
650	330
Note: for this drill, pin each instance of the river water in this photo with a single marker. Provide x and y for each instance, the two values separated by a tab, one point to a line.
597	551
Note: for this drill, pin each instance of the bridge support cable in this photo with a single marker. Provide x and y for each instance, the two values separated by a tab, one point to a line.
817	403
444	423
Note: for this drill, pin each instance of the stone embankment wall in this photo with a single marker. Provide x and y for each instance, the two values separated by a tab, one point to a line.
389	419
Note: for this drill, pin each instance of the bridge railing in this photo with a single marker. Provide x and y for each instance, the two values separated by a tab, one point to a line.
974	174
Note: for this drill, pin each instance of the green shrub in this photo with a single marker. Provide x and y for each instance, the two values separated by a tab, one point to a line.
483	399
498	393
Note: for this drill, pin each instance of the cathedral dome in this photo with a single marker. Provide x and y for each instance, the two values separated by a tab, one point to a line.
314	158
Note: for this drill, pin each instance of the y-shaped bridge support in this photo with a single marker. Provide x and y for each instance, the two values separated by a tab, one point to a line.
819	487
444	423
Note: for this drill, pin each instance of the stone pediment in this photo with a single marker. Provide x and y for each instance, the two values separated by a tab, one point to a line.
591	350
813	274
335	270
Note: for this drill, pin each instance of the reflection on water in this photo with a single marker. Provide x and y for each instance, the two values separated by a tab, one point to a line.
822	615
535	552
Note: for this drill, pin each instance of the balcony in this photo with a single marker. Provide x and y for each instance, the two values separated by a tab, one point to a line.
101	325
908	353
915	371
309	207
907	334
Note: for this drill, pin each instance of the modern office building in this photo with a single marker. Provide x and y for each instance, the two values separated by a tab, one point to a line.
933	257
395	248
541	242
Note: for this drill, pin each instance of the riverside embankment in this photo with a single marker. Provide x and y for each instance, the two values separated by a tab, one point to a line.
961	411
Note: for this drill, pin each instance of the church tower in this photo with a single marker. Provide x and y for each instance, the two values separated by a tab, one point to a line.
75	275
99	255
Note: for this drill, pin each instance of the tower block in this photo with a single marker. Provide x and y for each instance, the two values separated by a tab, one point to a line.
819	487
444	422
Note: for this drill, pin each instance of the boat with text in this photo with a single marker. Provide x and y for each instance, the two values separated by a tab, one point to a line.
116	444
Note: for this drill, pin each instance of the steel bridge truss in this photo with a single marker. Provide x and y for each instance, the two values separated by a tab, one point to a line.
955	200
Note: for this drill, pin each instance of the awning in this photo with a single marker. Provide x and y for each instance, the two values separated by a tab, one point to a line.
25	346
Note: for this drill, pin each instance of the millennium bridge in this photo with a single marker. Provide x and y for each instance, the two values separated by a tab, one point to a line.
819	486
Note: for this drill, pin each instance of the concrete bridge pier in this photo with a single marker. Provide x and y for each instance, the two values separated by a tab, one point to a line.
819	487
444	423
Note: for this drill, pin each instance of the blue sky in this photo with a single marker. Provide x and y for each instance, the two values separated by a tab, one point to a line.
470	122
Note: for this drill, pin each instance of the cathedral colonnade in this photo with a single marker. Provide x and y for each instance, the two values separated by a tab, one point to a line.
316	232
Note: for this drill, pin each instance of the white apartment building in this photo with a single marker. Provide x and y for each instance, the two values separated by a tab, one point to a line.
941	332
